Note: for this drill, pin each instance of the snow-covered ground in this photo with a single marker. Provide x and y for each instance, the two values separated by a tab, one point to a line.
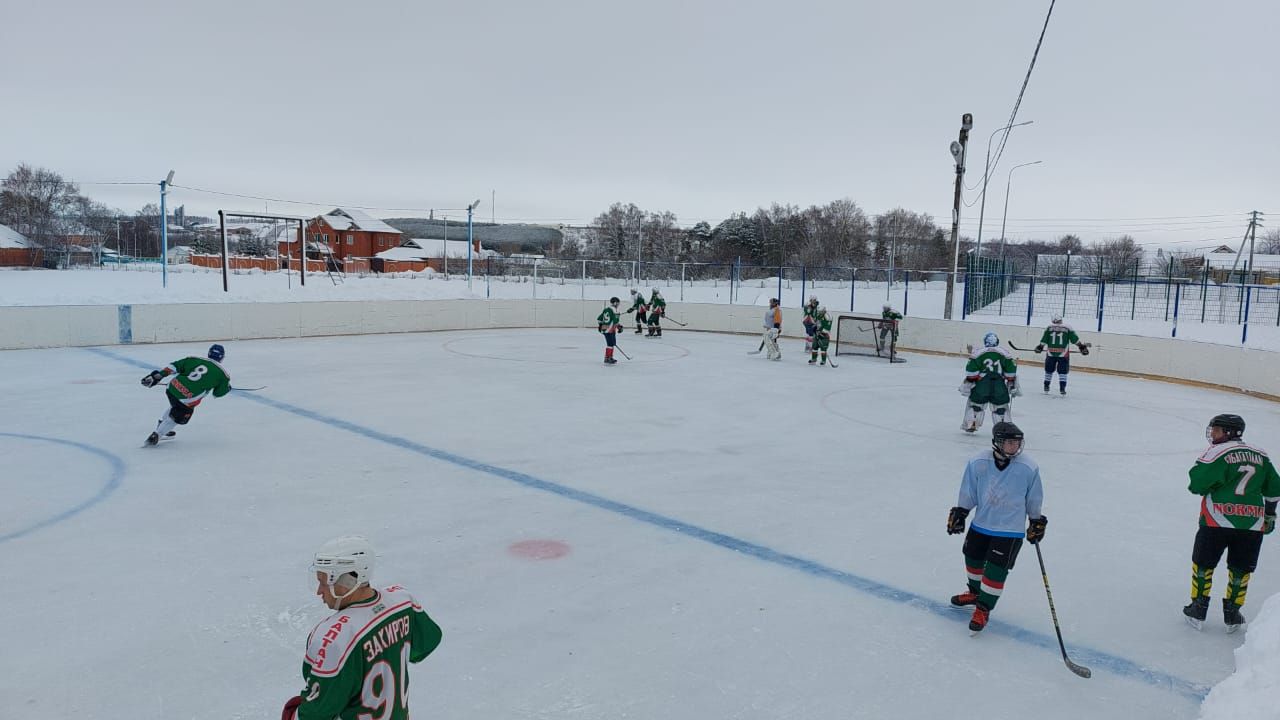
734	538
189	284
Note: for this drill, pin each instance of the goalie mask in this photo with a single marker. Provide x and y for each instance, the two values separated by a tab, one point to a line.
990	340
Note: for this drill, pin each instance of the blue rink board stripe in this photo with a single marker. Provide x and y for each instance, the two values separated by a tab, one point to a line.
1096	659
113	482
124	319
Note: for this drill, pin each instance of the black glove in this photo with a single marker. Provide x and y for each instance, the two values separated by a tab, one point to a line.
152	378
1084	348
1035	529
1269	519
1040	348
955	521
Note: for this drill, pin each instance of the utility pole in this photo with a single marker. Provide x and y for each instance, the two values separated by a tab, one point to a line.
958	151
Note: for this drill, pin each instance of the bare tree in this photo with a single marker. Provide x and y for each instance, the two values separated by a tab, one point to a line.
34	200
1270	242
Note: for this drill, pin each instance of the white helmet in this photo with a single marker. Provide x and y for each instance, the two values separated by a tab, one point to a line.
822	310
1057	319
990	340
813	299
345	555
887	306
655	292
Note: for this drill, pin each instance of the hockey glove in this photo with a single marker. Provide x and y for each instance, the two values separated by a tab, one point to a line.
1269	521
291	708
1040	348
600	328
1035	529
966	387
152	378
955	521
1015	390
1084	348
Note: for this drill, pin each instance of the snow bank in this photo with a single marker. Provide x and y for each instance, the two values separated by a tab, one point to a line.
1253	690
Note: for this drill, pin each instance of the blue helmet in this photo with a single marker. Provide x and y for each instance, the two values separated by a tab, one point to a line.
217	352
991	339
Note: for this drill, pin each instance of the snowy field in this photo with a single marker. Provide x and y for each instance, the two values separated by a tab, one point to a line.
189	284
695	533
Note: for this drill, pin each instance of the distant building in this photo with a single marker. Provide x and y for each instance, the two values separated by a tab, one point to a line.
417	254
350	233
16	250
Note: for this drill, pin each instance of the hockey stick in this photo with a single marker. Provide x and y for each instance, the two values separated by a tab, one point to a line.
758	350
624	354
1015	347
1080	670
252	389
667	317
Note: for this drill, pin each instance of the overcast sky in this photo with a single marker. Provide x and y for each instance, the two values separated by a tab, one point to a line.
1151	117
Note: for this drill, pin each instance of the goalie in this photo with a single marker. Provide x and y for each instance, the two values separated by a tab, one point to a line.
991	378
890	325
1057	341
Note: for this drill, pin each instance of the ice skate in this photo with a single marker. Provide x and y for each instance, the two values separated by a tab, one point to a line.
1231	616
153	438
964	599
1196	611
979	619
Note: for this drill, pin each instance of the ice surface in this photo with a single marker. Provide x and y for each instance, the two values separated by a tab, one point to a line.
746	539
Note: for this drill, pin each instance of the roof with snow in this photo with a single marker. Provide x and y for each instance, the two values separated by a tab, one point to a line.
1226	260
10	238
419	248
340	219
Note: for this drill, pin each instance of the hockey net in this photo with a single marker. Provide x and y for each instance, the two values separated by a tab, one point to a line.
867	335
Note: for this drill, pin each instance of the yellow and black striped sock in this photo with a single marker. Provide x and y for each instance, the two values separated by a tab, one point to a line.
1201	581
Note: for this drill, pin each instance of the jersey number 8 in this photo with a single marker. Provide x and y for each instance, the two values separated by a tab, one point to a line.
198	373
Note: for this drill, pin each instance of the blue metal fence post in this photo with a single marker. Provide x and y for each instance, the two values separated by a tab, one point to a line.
853	284
781	271
964	297
1102	301
804	276
1031	299
906	290
1177	299
1248	295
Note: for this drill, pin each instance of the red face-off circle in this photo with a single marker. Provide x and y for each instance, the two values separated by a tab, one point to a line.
539	549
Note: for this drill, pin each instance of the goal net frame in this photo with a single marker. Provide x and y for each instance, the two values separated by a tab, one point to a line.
860	335
271	217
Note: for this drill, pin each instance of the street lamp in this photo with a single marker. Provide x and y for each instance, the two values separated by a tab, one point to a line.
986	175
164	230
1007	184
470	240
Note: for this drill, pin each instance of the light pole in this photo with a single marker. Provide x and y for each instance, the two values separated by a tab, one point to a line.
1007	184
164	230
470	239
986	175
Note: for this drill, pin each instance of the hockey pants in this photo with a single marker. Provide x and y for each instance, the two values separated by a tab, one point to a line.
1242	548
177	414
1059	363
771	343
987	562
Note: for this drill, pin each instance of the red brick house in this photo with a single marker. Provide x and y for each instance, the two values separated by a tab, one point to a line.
351	233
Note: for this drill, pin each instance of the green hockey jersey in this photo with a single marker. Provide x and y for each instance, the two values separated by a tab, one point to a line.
1236	481
1058	339
357	662
990	362
608	320
194	378
637	304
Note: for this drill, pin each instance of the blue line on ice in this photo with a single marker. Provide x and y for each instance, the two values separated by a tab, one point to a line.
1096	659
113	482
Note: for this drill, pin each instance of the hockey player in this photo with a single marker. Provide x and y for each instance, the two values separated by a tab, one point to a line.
772	329
357	661
1004	487
821	336
1058	339
609	323
991	377
1240	488
657	307
810	310
194	379
639	308
892	316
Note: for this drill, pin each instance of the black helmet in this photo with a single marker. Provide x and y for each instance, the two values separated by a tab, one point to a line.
614	301
1002	431
1232	425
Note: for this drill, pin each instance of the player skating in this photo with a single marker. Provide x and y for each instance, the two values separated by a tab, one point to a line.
357	661
1056	341
990	378
1240	489
1004	488
609	323
638	307
194	379
657	308
772	329
821	336
810	327
891	318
